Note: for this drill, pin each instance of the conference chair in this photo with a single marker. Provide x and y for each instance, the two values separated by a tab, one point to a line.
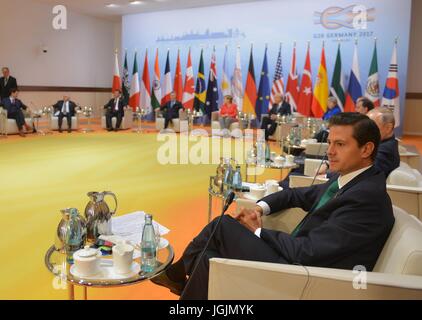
127	121
177	125
9	126
215	124
55	123
396	275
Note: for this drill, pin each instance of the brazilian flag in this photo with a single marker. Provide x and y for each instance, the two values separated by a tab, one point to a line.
200	89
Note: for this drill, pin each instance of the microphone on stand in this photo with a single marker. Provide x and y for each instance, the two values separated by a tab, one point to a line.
227	203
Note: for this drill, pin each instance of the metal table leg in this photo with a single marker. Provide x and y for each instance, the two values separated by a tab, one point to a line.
71	291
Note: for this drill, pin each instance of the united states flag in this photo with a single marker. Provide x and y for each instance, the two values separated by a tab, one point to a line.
278	84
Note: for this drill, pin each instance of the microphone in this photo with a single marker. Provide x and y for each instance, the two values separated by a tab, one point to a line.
227	203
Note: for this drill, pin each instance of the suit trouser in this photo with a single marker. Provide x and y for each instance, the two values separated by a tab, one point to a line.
19	117
269	126
225	122
68	118
168	118
110	115
231	240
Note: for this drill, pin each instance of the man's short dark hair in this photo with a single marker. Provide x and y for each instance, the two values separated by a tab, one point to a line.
364	129
13	90
368	104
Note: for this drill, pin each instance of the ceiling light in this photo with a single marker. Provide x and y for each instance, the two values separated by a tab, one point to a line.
112	5
136	2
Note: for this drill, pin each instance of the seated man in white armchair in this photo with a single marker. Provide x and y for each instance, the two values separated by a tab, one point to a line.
65	109
115	108
170	110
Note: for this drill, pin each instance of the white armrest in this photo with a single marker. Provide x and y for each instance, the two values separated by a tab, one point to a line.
246	280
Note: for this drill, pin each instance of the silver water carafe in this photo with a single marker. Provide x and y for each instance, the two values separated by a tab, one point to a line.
71	232
98	215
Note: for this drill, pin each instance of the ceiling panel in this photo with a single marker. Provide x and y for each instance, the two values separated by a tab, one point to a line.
98	7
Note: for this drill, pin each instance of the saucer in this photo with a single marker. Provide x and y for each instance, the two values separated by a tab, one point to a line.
107	272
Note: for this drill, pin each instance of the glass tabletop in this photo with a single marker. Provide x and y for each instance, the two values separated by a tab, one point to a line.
57	264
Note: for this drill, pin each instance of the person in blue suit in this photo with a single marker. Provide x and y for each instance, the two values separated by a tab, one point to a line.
15	108
348	222
332	108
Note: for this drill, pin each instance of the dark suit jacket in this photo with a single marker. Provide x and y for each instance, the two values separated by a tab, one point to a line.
5	90
388	157
172	113
59	105
111	104
285	109
349	230
15	107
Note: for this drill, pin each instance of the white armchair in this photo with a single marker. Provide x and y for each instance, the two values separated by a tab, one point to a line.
127	121
397	273
178	125
9	126
55	123
215	123
404	185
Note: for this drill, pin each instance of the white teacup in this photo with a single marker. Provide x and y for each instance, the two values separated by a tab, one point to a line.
257	191
290	159
122	258
272	186
278	161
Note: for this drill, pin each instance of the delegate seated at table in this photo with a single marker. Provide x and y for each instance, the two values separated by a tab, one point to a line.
15	108
115	109
228	113
348	222
171	110
65	109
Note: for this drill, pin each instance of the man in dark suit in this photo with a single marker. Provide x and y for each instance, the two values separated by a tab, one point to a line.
280	107
7	83
115	108
388	157
65	109
14	108
349	218
171	109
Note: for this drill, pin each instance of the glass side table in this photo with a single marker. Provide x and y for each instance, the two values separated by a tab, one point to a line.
88	113
56	263
138	114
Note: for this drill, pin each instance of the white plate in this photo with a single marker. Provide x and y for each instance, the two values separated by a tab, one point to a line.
107	272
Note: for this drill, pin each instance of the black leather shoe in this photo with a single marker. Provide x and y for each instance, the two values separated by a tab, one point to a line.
163	280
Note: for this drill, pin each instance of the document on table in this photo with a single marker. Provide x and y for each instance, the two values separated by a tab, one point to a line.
129	227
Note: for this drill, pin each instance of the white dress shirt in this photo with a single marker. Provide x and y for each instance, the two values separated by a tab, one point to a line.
65	108
116	106
342	181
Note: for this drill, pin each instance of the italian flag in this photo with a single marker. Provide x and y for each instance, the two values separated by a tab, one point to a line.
135	95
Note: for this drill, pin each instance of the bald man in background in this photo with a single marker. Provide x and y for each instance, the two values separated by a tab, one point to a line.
7	83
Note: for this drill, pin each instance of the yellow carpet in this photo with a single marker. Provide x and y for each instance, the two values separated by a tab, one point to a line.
40	175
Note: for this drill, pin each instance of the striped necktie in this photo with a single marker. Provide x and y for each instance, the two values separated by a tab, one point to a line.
327	196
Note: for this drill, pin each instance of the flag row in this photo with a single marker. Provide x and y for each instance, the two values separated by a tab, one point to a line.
305	97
